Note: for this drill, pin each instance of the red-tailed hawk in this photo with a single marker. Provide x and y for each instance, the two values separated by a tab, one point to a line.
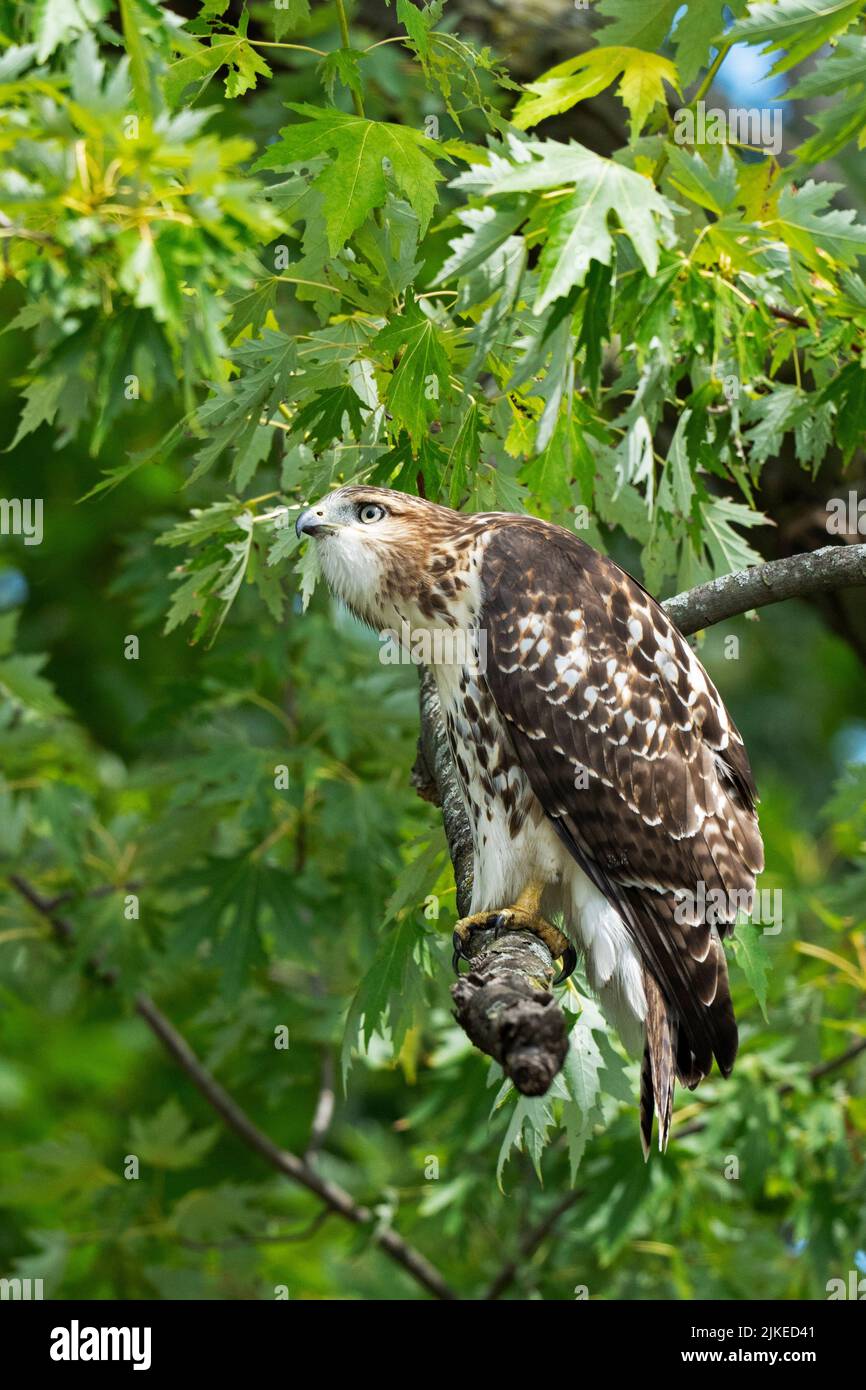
604	779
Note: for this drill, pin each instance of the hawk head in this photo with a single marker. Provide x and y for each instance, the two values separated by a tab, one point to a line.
375	546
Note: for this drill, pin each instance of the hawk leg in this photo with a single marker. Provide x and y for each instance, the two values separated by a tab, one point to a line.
524	915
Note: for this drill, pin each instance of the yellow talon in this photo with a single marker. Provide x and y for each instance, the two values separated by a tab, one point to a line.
524	915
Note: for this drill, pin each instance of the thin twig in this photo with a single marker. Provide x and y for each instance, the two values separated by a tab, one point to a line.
530	1243
357	99
279	1238
324	1112
816	1074
798	576
825	1068
533	1239
285	1162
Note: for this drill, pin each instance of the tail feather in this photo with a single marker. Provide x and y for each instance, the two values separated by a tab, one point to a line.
659	1070
647	1104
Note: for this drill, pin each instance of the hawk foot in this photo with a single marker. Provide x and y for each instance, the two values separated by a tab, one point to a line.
514	919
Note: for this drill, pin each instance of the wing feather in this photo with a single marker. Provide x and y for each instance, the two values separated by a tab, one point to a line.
633	756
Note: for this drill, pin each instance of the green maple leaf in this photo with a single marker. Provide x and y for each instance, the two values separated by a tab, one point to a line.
578	230
341	65
699	33
714	189
753	959
847	392
57	21
233	415
463	454
322	417
488	227
773	415
728	550
678	488
251	309
356	180
698	28
641	84
215	1213
308	570
291	17
21	683
805	223
233	51
842	67
800	27
165	1139
416	879
528	1132
59	1168
635	22
420	378
574	228
41	402
388	993
843	121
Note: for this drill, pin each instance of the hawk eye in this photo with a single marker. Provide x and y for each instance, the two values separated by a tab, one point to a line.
369	511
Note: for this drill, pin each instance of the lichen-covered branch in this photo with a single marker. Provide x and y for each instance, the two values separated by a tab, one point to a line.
797	576
505	1006
504	1003
433	778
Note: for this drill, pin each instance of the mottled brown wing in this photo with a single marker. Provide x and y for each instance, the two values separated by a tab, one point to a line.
633	756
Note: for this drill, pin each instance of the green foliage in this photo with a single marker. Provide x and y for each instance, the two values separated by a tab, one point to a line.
415	285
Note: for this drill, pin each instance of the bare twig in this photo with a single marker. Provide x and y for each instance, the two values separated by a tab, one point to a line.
505	1007
324	1112
826	1068
534	1237
816	1074
306	1232
530	1243
334	1197
798	576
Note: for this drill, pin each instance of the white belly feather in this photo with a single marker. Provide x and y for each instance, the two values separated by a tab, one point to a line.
515	844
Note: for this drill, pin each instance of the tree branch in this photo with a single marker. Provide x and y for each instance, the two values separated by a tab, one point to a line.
530	1243
816	1074
335	1198
504	1003
433	779
534	1237
798	576
325	1105
506	1008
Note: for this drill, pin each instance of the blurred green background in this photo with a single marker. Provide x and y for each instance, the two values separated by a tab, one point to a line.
261	908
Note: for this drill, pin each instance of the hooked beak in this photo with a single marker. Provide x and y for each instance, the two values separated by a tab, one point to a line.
309	523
